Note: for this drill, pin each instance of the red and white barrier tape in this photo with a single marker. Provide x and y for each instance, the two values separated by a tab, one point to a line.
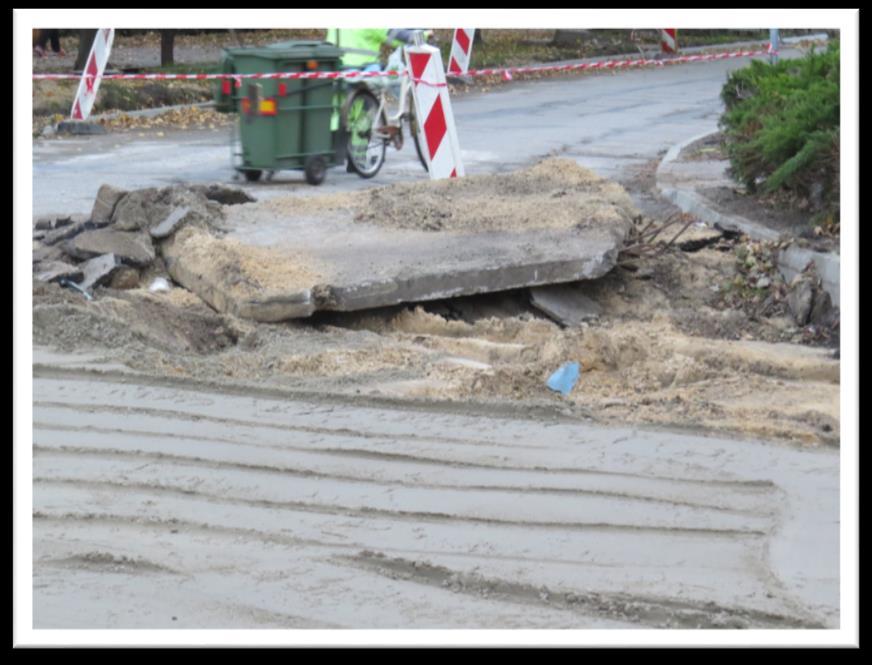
504	71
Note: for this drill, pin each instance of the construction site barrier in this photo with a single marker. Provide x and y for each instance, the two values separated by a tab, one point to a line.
631	63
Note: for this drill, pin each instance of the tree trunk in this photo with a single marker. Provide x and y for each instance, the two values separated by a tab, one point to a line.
167	40
86	41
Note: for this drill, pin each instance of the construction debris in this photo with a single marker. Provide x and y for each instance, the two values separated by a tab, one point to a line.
224	194
53	271
98	271
78	223
555	222
169	226
144	209
52	222
132	248
104	205
566	304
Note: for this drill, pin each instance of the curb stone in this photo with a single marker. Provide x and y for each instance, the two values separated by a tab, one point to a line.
791	261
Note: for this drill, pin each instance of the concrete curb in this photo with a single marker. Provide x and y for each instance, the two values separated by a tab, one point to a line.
791	261
90	127
691	202
691	50
148	113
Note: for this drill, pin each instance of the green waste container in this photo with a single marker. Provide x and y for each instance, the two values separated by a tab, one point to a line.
283	123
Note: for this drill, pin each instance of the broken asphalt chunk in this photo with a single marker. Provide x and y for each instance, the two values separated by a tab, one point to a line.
52	222
98	271
169	225
104	205
54	271
130	247
78	224
565	304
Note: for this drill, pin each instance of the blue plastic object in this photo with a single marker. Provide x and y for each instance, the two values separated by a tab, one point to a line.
565	378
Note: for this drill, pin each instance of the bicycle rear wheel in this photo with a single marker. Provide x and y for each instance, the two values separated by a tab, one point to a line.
366	143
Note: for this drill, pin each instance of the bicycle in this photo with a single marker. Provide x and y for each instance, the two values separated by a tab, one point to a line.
369	128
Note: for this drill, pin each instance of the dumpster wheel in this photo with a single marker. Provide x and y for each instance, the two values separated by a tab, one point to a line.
315	169
251	175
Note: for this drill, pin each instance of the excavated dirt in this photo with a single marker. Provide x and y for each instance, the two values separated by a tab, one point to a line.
668	349
556	193
699	337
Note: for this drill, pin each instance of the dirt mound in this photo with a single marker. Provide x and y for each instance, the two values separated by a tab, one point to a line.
174	322
556	193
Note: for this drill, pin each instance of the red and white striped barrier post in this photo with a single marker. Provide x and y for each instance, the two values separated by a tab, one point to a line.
774	45
91	75
436	127
669	40
461	51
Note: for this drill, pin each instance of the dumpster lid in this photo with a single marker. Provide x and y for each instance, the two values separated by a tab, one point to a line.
295	50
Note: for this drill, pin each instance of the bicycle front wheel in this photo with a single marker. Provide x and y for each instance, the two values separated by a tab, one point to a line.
366	143
413	130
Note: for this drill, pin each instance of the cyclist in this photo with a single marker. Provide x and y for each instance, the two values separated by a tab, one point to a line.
363	46
362	51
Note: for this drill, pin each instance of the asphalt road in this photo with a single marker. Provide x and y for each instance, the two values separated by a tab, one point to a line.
609	122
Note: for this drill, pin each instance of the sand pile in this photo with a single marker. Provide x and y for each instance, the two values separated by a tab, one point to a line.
244	271
555	194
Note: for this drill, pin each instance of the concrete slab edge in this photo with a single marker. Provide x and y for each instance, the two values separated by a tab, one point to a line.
385	293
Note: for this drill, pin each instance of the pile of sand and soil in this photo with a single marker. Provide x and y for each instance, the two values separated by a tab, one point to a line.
556	193
645	360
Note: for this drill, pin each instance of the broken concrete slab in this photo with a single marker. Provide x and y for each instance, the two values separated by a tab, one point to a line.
104	205
131	212
52	222
79	223
130	247
52	271
98	271
565	303
146	208
47	253
287	258
169	226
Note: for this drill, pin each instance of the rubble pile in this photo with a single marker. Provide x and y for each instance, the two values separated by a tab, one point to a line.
119	241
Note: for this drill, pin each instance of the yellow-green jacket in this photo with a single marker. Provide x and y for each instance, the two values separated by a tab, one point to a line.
362	45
